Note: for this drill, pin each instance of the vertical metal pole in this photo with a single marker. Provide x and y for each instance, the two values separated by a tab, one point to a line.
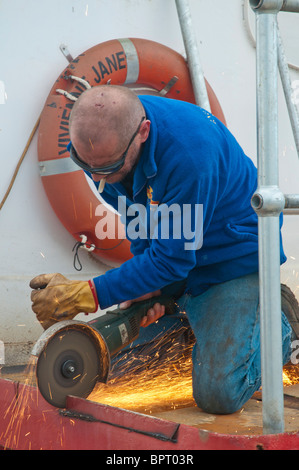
268	202
196	72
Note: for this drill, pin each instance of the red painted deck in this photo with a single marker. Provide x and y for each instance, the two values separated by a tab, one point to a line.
27	421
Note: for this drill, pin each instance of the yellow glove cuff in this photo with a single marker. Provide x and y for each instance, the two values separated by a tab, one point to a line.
94	294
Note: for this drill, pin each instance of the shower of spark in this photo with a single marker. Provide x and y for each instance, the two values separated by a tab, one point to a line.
160	378
168	386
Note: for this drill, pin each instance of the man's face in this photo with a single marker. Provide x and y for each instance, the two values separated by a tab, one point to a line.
107	155
111	152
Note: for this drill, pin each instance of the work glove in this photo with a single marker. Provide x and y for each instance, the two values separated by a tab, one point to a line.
56	298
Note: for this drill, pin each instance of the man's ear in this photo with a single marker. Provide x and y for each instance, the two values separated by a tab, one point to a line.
144	130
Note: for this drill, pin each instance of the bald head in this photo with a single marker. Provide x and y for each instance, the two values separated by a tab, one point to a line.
106	111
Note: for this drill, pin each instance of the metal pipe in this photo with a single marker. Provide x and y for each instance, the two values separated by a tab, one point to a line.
196	71
269	200
287	88
266	6
268	217
291	6
291	211
291	204
291	201
275	5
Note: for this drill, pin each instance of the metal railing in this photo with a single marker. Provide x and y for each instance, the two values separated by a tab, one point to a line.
268	201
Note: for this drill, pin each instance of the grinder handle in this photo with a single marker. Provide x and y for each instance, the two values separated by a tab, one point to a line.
140	308
119	327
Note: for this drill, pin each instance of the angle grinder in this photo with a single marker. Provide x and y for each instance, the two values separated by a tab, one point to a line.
72	356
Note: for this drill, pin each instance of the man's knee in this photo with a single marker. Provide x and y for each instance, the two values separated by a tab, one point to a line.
215	401
220	395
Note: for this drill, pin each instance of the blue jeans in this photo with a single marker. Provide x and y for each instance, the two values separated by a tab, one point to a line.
226	354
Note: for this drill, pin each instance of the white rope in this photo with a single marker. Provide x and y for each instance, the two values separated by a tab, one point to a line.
69	95
81	80
66	94
83	244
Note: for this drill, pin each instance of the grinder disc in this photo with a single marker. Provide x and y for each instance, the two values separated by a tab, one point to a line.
68	365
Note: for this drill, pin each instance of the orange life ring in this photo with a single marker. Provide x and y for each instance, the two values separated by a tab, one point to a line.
129	62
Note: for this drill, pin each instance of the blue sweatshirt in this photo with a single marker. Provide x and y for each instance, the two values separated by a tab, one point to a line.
192	164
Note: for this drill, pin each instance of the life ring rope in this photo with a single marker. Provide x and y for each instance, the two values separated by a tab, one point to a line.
69	95
166	89
89	248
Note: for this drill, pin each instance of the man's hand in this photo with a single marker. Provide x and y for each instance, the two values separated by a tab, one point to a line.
153	314
55	298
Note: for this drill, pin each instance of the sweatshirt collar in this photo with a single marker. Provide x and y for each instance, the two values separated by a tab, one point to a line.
146	167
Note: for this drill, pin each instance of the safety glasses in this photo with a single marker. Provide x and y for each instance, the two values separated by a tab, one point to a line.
104	170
